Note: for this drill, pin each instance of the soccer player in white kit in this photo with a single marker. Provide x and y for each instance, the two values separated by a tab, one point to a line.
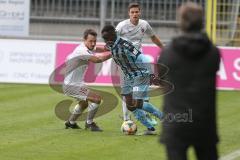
134	30
74	85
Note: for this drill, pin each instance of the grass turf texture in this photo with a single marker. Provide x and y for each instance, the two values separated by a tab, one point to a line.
29	129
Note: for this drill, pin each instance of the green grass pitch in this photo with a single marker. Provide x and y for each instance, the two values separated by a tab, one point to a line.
30	130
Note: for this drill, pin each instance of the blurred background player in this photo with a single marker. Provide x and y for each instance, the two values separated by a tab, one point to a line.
193	62
74	85
134	30
136	76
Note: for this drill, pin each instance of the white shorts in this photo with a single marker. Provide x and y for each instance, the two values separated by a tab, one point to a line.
80	92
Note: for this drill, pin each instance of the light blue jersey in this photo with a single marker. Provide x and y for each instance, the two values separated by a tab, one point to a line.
137	78
133	64
129	58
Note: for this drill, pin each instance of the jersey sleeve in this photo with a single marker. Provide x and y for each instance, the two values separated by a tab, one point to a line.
149	30
83	54
119	28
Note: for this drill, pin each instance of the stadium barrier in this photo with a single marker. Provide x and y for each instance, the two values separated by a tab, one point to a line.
33	61
26	61
222	22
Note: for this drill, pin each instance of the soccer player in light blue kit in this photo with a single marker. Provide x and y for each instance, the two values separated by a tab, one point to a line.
136	74
135	29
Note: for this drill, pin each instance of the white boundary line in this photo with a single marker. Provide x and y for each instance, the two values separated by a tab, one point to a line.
231	156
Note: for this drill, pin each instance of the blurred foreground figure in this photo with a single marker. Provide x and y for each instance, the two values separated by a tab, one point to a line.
190	110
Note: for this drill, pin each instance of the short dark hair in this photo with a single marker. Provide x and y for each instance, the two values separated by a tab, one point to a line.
191	15
108	28
89	31
107	31
134	5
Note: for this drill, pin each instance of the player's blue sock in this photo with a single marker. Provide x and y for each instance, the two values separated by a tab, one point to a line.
140	115
148	107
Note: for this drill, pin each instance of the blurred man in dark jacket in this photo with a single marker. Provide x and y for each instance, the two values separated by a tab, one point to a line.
190	109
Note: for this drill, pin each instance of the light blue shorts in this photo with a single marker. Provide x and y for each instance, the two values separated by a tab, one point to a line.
139	87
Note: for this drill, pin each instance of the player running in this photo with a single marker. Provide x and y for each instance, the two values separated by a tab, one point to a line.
134	30
74	85
136	75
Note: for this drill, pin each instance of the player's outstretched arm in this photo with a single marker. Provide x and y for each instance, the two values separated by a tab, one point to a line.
157	41
100	57
101	49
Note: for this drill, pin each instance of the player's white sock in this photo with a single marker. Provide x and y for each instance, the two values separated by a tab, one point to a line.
77	111
126	112
92	110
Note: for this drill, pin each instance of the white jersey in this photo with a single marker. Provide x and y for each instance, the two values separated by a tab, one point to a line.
134	33
76	65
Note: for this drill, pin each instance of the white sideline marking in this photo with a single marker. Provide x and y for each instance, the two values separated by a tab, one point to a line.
231	156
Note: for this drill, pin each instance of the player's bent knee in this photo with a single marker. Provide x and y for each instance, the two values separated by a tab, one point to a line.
98	99
95	98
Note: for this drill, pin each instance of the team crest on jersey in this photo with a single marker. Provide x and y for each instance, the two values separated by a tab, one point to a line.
142	30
